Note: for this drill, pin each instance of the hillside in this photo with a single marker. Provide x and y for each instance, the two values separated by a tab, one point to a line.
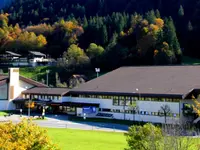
4	3
184	13
95	33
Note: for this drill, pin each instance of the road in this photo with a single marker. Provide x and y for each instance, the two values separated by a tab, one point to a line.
56	121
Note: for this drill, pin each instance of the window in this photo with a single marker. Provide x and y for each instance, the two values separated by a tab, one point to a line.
106	110
141	98
135	98
128	111
116	110
128	102
142	112
122	102
148	99
116	102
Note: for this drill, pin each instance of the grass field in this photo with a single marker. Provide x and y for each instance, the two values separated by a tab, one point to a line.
2	113
69	139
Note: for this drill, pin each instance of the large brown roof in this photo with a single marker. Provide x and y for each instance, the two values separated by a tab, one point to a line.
166	80
30	81
46	91
3	77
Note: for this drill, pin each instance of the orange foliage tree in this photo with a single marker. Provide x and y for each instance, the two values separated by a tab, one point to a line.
24	135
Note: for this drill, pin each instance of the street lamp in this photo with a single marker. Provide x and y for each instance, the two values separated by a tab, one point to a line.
29	107
47	71
29	110
97	71
137	109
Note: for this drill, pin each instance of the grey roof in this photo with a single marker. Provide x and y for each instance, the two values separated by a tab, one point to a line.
37	53
166	80
13	54
46	91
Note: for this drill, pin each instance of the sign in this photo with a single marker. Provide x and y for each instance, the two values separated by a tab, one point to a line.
89	110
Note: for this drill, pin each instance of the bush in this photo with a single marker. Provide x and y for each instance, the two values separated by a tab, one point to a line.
24	135
145	137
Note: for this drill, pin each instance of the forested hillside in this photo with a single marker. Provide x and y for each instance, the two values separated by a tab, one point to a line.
105	33
4	3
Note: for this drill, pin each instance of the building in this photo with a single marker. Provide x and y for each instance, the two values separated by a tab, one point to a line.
12	86
127	93
149	88
38	58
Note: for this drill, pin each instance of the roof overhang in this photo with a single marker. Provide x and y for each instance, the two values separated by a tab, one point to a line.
125	94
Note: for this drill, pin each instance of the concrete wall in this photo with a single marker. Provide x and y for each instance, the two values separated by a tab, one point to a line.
149	106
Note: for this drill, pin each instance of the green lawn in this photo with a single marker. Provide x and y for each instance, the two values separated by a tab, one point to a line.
69	139
2	113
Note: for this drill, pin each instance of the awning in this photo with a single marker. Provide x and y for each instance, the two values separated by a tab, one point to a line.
50	103
76	104
37	101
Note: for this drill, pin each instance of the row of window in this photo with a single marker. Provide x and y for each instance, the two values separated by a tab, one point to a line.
139	112
134	98
42	97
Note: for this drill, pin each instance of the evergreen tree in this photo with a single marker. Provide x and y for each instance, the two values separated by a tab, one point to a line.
85	22
104	34
190	27
150	16
181	11
157	14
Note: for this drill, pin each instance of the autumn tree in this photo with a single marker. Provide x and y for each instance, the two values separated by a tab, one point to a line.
24	135
94	50
43	29
196	105
75	55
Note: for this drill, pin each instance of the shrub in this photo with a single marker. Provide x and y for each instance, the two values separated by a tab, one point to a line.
24	135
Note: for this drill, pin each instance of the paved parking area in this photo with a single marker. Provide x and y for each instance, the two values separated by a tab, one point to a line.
61	121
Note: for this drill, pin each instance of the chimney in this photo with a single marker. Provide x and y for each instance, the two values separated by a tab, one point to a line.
13	83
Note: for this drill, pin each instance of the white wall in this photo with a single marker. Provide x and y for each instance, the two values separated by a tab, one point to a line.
13	82
23	86
19	86
150	106
6	105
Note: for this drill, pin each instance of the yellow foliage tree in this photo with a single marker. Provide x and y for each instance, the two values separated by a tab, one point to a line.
41	40
196	105
24	135
75	55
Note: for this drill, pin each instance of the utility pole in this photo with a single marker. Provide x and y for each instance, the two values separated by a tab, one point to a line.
47	79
